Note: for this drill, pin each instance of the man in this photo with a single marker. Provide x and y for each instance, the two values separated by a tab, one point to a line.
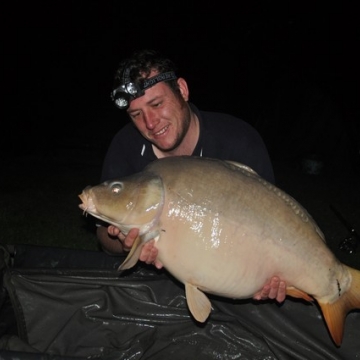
164	123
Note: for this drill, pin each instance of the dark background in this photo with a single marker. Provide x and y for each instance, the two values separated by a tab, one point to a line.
291	69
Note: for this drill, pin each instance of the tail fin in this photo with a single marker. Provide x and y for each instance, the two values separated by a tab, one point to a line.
335	313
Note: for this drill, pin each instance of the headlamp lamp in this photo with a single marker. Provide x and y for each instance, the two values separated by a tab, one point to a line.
128	91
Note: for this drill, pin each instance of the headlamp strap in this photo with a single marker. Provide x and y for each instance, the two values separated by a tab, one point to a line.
170	75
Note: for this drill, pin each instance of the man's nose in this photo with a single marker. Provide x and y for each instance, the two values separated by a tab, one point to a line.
150	119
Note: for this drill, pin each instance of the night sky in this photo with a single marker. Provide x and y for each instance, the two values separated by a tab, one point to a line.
291	72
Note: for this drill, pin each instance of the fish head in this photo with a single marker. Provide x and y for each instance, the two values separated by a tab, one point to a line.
132	202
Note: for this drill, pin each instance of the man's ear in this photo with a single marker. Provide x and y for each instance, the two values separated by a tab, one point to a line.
183	87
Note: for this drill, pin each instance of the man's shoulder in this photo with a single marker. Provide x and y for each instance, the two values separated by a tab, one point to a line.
128	133
128	128
213	121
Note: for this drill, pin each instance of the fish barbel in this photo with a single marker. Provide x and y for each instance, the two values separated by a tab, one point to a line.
221	229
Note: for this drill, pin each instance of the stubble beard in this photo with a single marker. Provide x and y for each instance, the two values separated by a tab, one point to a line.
180	135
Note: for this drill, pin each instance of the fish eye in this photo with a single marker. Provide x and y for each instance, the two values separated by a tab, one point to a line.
116	187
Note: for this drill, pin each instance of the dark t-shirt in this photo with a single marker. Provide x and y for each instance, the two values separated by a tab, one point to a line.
222	136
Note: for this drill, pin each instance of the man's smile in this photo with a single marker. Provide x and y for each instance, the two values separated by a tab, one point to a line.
162	131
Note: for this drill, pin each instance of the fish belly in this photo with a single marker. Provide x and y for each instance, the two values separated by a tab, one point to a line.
235	261
223	265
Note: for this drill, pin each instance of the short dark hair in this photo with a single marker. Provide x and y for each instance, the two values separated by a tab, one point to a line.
140	65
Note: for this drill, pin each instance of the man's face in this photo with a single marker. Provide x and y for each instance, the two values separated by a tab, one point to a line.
162	116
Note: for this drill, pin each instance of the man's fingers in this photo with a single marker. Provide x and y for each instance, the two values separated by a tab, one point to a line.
274	287
277	290
149	253
145	252
281	294
265	292
158	264
113	230
130	238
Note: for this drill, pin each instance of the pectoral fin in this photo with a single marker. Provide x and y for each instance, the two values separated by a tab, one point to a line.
198	302
133	255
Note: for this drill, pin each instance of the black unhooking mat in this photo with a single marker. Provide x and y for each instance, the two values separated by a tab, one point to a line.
71	304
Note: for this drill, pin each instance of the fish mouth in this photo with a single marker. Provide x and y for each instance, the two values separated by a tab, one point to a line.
87	204
89	207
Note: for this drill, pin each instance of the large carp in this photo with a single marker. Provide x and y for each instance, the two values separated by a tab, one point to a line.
222	229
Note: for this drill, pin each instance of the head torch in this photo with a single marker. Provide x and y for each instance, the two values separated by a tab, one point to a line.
128	91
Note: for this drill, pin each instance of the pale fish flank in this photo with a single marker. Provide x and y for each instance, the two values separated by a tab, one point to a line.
221	229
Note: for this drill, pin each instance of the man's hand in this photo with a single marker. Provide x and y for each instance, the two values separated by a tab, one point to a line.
276	289
148	253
